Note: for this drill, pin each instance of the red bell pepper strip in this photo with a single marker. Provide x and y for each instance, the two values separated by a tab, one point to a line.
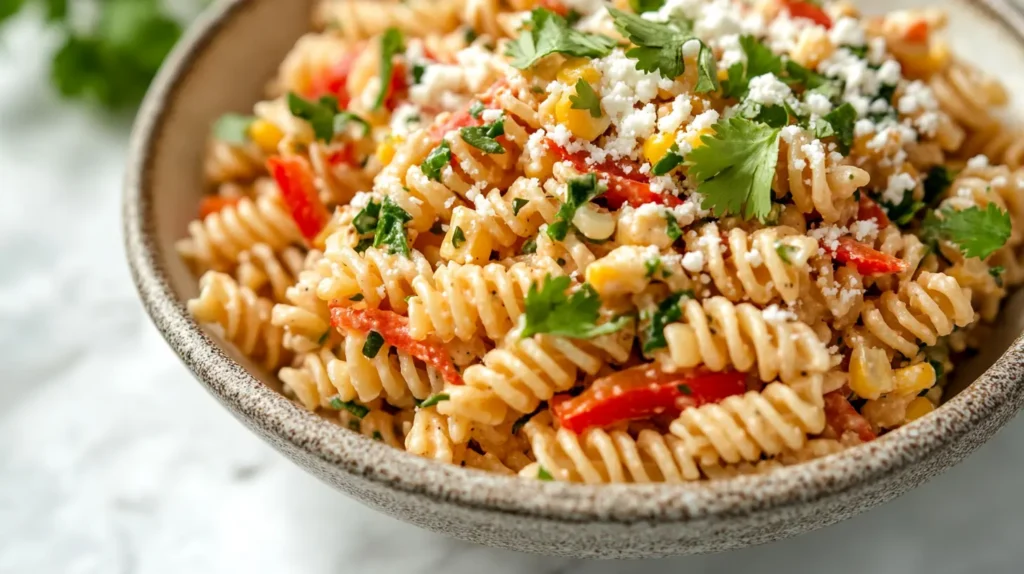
808	10
866	259
334	80
643	392
344	154
214	203
869	210
917	33
555	6
631	188
842	418
395	330
294	177
396	84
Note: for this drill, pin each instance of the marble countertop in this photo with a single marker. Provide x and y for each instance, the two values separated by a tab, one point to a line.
113	460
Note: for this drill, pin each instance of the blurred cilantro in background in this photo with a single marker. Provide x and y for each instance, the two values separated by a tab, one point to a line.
111	50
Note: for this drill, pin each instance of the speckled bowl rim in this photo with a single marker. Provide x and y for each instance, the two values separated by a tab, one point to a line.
276	416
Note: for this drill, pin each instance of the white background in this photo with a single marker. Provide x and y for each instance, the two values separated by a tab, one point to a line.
113	460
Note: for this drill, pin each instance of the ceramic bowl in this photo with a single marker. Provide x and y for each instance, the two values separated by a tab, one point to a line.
222	65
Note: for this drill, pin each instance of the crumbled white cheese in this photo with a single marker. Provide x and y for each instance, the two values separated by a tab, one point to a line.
693	261
847	31
776	315
680	110
818	104
978	162
768	90
898	185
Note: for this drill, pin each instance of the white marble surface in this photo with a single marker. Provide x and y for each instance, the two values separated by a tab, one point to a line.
113	460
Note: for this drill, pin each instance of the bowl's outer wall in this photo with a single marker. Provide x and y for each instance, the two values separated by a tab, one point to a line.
222	65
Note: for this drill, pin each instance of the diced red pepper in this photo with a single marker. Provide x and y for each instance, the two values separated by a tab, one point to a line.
458	120
334	81
294	177
808	10
214	203
842	418
395	330
867	260
555	6
344	154
869	210
643	392
917	33
396	85
623	187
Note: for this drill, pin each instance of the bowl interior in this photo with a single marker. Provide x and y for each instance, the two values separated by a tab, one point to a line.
229	70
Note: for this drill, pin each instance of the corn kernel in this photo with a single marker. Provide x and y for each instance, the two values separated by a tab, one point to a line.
656	147
576	69
580	122
694	138
266	135
618	273
386	149
871	375
918	408
913	379
473	238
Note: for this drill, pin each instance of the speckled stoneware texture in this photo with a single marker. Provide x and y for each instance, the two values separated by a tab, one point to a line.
223	64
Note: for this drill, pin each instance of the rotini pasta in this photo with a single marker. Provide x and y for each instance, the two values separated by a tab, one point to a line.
496	235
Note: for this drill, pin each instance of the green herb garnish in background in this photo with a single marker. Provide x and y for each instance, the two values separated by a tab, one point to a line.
579	192
548	33
391	44
549	310
112	60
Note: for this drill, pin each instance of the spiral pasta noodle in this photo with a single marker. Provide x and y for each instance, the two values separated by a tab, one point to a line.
808	174
357	19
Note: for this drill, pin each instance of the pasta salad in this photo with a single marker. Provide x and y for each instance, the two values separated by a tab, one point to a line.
626	241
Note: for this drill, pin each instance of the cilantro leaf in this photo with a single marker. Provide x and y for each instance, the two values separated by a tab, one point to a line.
936	183
518	204
549	310
233	128
476	110
548	33
586	98
774	116
659	44
320	114
482	137
543	474
391	43
812	81
903	212
641	6
668	311
760	60
458	237
433	400
672	229
345	117
735	167
436	160
366	220
9	8
975	231
579	192
707	70
997	274
672	160
356	409
840	124
391	228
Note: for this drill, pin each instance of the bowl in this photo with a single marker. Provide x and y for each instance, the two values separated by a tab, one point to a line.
222	65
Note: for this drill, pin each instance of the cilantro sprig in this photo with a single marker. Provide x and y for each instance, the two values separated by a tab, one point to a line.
550	310
391	228
975	231
579	192
659	47
586	98
483	137
735	166
838	123
668	311
548	33
324	116
436	160
391	44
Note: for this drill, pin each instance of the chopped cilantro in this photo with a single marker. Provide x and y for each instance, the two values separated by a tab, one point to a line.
668	311
391	228
518	204
548	33
436	160
651	267
521	421
458	237
936	183
320	114
773	116
364	244
672	160
734	168
579	192
543	474
975	231
391	43
377	436
482	137
760	60
529	247
366	220
905	211
641	6
550	310
476	109
433	400
839	123
233	128
374	341
685	389
323	338
417	72
997	274
672	226
660	48
353	407
586	98
785	252
355	424
357	297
